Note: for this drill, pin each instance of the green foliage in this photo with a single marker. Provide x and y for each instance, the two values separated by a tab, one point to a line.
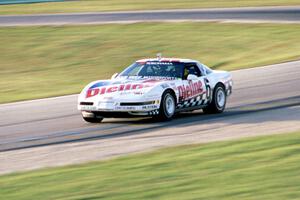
117	5
40	62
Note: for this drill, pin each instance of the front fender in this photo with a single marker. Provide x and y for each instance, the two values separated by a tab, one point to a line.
158	91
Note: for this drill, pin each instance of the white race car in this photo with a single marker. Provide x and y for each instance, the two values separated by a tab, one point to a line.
158	87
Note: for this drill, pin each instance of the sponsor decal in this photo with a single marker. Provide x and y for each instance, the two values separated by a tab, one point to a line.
116	88
158	63
88	108
125	108
150	107
190	90
158	78
186	91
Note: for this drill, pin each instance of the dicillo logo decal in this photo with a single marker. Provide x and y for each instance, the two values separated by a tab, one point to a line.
101	88
185	91
118	88
191	90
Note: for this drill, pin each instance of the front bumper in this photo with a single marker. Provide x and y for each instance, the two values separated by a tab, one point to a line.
114	106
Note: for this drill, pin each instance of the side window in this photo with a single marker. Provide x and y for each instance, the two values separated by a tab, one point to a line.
207	69
191	68
202	69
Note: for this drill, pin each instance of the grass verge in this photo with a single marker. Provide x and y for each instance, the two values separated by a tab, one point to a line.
259	168
38	62
118	5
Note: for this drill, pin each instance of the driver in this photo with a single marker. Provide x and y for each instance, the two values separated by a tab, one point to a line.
186	73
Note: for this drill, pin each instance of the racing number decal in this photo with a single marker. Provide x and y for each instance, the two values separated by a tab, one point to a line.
208	90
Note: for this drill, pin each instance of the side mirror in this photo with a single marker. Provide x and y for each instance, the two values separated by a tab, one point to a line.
192	77
114	75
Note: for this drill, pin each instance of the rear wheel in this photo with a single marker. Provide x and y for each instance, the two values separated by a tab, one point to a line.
218	103
167	107
91	117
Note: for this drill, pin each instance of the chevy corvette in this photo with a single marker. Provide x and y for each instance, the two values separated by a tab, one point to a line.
157	87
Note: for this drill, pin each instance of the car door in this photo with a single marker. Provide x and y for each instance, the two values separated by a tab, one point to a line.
193	91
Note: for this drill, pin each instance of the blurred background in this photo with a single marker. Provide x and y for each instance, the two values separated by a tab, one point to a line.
44	61
38	61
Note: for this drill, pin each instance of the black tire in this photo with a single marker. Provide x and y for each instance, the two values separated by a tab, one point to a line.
167	107
218	103
92	118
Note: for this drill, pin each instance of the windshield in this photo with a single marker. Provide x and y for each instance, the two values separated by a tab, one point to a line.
154	68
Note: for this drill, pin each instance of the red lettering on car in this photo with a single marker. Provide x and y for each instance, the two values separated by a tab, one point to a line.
122	87
137	86
112	89
190	90
92	92
103	90
127	87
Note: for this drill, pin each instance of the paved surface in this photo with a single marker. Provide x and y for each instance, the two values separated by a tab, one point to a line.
260	14
7	2
50	132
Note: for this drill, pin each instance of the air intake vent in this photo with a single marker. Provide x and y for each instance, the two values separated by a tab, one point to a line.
137	103
86	103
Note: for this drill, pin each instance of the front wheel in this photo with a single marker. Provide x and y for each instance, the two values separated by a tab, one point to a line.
167	107
218	103
91	117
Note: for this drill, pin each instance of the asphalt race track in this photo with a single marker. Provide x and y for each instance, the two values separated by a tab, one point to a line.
57	120
266	100
259	14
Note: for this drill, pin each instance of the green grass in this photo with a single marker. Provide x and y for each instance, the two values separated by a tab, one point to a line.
117	5
40	62
248	169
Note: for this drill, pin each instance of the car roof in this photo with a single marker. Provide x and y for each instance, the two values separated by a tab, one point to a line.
181	60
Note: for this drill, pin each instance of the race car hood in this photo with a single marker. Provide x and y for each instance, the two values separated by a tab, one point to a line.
124	88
